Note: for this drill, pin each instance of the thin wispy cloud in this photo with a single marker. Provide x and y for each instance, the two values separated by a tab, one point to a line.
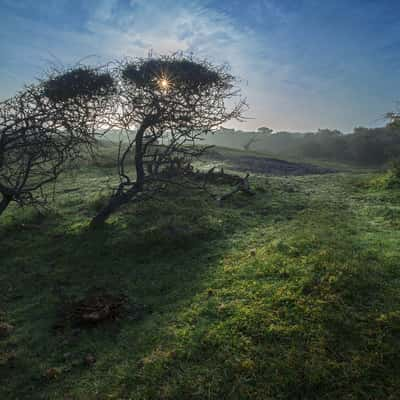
303	65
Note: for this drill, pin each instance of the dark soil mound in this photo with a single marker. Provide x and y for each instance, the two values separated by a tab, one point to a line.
277	167
265	165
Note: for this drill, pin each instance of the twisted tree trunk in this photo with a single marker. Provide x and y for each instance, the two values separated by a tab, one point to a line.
121	198
139	156
5	201
113	205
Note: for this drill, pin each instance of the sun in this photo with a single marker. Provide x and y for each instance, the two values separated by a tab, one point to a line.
164	83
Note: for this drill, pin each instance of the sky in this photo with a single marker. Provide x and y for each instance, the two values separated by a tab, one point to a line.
302	64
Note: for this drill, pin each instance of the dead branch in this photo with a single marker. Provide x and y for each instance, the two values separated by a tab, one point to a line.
242	186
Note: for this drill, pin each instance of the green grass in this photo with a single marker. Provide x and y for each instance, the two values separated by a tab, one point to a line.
290	294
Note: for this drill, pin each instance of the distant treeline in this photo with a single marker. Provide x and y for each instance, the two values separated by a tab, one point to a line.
365	146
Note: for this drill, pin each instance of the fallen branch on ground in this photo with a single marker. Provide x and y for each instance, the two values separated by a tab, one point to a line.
242	186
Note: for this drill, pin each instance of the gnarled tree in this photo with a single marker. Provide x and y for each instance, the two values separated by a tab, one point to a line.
165	105
46	126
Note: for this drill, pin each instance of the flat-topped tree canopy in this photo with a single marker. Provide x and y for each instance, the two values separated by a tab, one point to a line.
80	82
177	72
177	92
83	98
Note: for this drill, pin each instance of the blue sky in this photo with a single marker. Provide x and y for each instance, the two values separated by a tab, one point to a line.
304	64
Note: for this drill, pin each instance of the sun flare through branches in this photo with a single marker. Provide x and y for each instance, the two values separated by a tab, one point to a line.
164	82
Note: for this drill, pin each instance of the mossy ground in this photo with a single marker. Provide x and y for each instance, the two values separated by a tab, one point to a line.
291	294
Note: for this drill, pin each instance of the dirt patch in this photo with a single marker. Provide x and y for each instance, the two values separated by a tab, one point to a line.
96	308
5	329
269	166
272	166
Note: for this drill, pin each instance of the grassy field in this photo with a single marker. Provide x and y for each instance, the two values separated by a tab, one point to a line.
290	294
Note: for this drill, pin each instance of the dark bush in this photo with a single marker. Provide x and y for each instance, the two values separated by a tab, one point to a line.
182	72
79	82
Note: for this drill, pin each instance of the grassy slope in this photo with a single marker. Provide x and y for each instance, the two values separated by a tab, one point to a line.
291	294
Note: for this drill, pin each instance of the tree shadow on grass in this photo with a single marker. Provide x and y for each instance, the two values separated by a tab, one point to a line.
161	254
155	255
